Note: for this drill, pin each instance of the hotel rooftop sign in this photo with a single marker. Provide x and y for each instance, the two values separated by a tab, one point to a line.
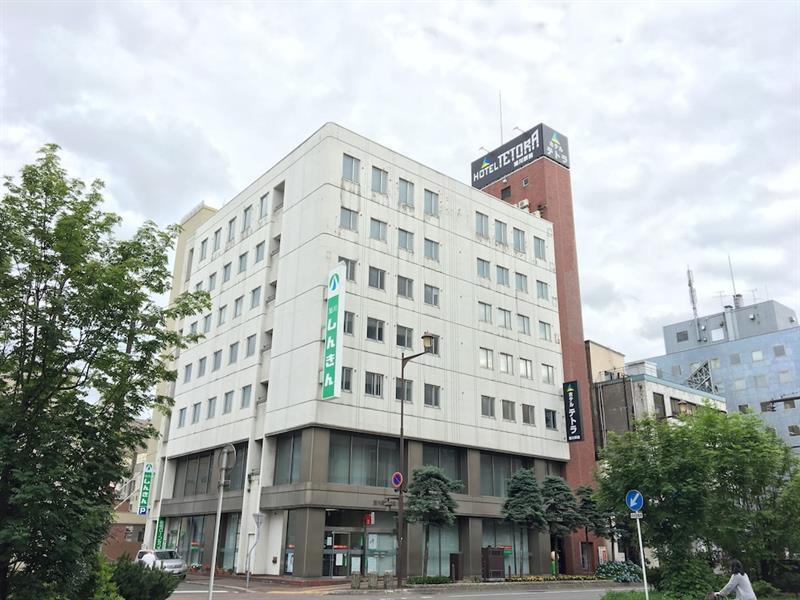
523	149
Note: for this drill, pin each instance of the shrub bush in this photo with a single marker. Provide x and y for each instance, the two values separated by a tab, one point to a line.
137	582
764	589
689	578
429	580
621	572
99	584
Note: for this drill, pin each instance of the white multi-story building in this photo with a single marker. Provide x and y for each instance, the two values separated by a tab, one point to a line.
423	253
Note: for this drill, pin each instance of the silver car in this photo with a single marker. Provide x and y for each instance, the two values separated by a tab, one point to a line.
166	560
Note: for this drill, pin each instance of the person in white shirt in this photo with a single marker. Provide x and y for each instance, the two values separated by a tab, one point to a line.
149	559
740	582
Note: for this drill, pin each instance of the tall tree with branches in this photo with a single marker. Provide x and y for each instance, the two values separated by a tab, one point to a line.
523	505
82	345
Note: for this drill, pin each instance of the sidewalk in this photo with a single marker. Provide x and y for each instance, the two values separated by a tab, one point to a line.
498	586
272	581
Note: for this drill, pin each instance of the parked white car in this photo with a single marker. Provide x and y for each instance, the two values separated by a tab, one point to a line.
166	560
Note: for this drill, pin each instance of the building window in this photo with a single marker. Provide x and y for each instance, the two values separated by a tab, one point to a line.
201	366
405	337
405	287
377	230
250	346
522	282
431	295
431	203
736	359
380	180
509	411
486	358
226	272
761	381
744	409
545	331
484	267
433	395
528	415
501	233
351	167
287	457
217	240
682	336
216	362
238	306
504	318
247	218
260	249
505	193
526	368
349	268
519	240
481	225
496	470
406	193
182	417
193	328
758	355
550	419
262	206
548	374
431	249
779	350
207	323
405	240
402	389
227	403
374	329
349	322
221	315
348	219
484	312
212	282
523	324
503	276
242	262
233	353
231	230
255	297
373	384
542	290
506	363
347	379
435	345
377	278
539	250
204	249
247	392
187	373
487	406
362	459
212	407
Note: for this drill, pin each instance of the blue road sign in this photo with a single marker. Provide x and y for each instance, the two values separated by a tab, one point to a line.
634	500
397	479
142	510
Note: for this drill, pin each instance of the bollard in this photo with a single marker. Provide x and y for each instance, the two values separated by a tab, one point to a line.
355	581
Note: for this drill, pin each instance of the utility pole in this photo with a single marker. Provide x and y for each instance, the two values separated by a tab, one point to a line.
227	457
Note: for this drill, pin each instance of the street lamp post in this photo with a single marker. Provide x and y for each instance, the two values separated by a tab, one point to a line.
227	460
427	344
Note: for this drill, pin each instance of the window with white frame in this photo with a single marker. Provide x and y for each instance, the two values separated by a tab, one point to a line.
545	331
233	353
348	219
486	358
373	384
212	282
349	322
501	233
227	402
217	239
187	373
207	323
526	368
487	406
522	282
260	250
405	336
250	346
212	407
432	395
201	366
380	180
431	295
182	417
509	411
402	389
349	268
226	272
484	269
405	287
374	329
262	206
481	224
550	420
231	230
347	379
431	203
377	278
196	410
503	276
247	217
238	306
255	297
523	324
528	414
221	314
242	262
351	168
432	249
548	374
504	318
216	361
406	193
539	248
506	363
542	290
434	345
519	240
405	240
247	392
377	230
484	312
204	249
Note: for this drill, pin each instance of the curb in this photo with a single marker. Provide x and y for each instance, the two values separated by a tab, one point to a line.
490	586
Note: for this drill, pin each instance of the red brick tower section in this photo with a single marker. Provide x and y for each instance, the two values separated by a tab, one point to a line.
549	190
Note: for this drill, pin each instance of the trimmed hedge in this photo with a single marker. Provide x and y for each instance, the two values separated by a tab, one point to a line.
429	580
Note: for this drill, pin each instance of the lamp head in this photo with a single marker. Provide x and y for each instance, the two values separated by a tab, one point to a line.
427	341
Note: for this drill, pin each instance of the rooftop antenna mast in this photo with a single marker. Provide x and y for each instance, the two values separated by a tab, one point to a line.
693	298
733	281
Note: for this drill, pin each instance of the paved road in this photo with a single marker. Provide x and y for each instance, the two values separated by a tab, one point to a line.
236	591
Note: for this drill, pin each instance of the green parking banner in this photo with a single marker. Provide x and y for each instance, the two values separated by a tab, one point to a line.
144	494
334	322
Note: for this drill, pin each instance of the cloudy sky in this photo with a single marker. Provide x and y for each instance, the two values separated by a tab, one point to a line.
683	118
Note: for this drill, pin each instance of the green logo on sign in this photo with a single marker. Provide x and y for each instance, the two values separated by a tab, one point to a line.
331	379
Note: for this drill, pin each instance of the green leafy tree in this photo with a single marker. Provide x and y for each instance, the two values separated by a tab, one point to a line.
594	519
82	345
138	582
430	502
523	505
560	507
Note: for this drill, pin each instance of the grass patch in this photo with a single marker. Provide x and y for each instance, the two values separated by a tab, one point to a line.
660	596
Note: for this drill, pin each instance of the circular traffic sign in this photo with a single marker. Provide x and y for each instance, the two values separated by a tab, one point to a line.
397	479
634	500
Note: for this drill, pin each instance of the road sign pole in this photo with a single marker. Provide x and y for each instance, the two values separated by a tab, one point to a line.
641	556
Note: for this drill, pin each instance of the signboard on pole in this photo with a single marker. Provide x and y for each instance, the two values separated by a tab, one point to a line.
634	500
397	479
334	323
160	533
572	410
144	493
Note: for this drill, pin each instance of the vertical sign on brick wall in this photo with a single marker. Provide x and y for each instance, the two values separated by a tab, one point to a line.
144	493
572	410
334	322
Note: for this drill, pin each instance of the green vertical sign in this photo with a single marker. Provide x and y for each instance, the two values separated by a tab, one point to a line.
160	533
334	322
144	493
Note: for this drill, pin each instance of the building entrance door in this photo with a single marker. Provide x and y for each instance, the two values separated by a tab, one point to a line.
336	559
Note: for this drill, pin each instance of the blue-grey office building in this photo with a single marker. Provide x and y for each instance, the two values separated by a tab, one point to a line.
748	354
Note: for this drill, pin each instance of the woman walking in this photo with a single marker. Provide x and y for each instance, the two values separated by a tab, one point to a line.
740	582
